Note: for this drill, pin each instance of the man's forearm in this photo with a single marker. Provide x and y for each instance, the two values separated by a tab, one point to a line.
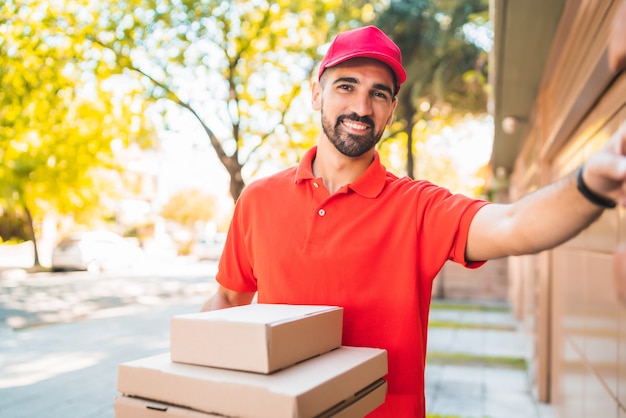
553	215
225	298
538	221
215	302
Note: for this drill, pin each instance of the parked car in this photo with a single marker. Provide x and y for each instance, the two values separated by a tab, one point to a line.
210	248
95	251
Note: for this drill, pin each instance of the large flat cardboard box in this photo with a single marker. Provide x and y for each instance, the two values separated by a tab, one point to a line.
362	404
258	338
127	407
308	389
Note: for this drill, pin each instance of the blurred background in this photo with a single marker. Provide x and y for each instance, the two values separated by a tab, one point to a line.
128	129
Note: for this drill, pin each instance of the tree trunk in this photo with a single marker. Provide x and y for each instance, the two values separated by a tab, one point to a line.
409	116
31	230
236	184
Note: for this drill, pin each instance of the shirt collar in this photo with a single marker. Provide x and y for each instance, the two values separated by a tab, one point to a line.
370	184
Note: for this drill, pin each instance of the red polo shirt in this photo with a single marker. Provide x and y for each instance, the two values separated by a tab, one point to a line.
374	248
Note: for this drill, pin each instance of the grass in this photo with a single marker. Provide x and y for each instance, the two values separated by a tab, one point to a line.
467	307
444	416
438	357
441	416
466	325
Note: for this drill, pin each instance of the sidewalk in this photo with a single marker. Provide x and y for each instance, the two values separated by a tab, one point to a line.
475	364
69	370
30	299
49	371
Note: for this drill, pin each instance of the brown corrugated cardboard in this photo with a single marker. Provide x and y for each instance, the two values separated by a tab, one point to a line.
259	338
127	407
362	404
307	389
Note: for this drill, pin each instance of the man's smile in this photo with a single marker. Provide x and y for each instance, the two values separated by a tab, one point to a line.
355	125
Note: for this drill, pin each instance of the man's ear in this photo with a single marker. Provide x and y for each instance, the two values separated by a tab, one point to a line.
316	96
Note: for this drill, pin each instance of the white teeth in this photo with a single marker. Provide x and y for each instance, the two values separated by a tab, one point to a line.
354	125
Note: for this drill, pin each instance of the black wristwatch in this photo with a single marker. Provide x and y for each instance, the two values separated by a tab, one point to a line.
591	196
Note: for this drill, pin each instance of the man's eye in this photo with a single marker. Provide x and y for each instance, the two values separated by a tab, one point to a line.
380	95
345	87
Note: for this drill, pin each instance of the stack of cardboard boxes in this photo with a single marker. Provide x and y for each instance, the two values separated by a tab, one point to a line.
258	360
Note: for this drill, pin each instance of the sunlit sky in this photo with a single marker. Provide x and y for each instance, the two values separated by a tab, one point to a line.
188	161
473	141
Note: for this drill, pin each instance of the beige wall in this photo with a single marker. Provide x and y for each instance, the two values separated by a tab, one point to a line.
489	283
566	297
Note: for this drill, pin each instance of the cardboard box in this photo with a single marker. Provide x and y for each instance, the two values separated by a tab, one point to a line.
362	404
126	407
308	389
259	338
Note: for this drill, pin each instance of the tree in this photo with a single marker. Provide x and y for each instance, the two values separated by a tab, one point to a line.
190	206
58	119
446	71
241	68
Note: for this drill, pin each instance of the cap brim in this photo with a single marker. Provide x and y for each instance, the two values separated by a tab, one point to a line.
392	63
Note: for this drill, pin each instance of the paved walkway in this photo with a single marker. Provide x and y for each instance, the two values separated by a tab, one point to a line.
472	389
69	370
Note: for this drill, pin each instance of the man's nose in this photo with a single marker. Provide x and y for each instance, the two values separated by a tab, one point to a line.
362	104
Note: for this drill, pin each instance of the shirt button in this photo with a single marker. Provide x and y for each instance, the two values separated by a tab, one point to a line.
321	212
315	185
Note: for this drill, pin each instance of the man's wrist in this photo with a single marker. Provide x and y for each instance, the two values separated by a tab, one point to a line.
590	195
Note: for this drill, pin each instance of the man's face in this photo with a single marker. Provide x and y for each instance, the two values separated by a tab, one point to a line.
356	103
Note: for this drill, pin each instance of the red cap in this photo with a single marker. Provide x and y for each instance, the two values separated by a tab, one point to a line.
367	42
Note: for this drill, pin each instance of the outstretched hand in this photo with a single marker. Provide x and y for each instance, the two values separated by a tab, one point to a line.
605	171
617	40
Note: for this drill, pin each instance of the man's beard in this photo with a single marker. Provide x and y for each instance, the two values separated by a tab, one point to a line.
351	145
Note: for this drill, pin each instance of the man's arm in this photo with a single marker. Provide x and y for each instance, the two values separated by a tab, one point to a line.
553	214
226	298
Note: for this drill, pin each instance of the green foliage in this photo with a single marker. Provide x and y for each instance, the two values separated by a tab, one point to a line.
60	113
241	68
446	71
78	78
